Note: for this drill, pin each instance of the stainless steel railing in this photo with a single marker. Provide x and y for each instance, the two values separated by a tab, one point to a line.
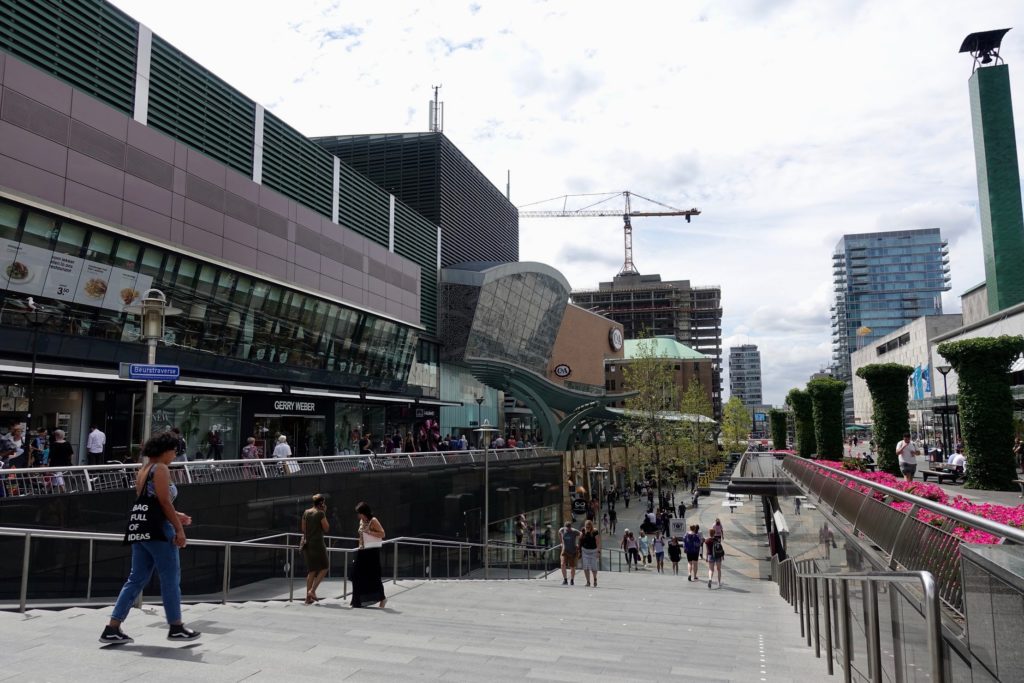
909	543
823	602
42	481
409	557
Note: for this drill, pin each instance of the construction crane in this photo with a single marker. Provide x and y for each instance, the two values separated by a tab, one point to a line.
627	213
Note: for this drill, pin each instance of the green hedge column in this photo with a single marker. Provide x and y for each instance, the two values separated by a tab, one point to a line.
985	404
778	422
827	405
887	383
803	418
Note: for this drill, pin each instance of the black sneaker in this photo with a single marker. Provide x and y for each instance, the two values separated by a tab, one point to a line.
572	582
180	633
565	582
114	636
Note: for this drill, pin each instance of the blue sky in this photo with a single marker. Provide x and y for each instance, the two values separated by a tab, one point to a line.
787	123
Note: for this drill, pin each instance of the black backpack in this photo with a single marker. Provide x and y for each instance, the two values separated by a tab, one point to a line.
717	551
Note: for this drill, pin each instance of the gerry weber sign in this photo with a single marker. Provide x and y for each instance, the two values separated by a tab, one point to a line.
295	406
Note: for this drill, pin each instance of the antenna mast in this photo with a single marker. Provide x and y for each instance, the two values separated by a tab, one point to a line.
436	113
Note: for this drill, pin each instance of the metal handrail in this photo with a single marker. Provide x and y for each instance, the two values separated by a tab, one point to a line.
809	591
36	481
1004	531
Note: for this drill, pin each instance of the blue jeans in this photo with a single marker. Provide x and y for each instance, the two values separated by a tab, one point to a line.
147	556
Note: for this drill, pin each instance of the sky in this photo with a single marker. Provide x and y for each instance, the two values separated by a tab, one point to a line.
787	123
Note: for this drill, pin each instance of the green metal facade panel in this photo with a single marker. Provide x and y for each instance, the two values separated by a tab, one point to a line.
192	105
999	194
89	44
295	166
416	240
664	347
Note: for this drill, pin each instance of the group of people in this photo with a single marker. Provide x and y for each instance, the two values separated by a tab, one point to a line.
156	532
644	550
38	449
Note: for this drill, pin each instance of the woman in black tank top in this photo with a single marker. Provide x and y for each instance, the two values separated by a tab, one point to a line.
590	543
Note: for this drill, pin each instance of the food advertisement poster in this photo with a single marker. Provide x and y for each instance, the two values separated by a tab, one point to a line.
34	271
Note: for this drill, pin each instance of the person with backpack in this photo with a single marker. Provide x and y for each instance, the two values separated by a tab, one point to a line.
675	553
692	544
715	552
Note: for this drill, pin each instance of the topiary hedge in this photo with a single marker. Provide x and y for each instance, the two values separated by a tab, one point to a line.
887	383
827	407
985	404
803	419
777	418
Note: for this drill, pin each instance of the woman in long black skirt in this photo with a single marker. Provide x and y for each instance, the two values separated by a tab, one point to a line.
367	587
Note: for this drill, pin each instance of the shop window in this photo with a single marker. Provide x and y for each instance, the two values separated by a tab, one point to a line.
10	218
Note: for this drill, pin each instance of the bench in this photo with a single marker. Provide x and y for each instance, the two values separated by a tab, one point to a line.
951	475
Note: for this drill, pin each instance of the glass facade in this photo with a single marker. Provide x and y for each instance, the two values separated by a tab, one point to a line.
230	322
197	416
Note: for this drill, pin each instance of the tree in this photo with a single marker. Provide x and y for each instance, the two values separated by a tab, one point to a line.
827	405
646	423
887	383
698	426
778	425
736	421
985	403
803	418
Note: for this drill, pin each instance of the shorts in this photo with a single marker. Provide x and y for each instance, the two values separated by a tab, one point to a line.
569	560
712	561
659	556
908	469
692	557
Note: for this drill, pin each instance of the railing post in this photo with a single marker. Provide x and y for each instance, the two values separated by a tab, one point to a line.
897	637
291	572
871	631
25	561
188	473
263	468
394	576
802	599
323	465
844	617
88	583
227	573
344	582
933	622
826	590
817	628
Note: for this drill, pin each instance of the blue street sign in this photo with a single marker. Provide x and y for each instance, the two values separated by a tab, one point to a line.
155	373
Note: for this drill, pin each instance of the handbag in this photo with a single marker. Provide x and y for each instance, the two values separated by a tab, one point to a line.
372	541
146	517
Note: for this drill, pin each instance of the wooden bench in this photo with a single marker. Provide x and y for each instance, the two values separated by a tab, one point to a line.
951	475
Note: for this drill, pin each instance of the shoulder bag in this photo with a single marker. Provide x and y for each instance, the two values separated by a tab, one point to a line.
146	518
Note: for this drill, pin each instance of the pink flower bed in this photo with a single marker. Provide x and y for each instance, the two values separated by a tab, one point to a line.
1011	516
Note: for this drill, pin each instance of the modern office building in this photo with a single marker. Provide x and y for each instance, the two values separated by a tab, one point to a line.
645	305
429	174
745	374
882	281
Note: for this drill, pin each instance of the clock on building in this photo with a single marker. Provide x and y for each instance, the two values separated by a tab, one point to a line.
615	339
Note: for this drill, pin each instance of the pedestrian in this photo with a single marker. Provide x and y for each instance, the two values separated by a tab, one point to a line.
682	509
1018	453
630	546
719	531
181	451
798	504
906	452
675	553
604	522
613	519
367	588
625	498
250	451
693	544
715	553
61	455
155	531
590	543
659	552
570	552
94	446
313	526
644	542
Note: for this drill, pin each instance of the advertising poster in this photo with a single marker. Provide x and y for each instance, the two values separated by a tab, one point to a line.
24	268
125	288
91	289
62	277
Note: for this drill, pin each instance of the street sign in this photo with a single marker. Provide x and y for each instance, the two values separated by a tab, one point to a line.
154	373
677	527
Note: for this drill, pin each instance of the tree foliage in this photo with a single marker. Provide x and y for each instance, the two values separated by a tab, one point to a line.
696	433
985	403
827	405
803	418
777	418
890	419
736	423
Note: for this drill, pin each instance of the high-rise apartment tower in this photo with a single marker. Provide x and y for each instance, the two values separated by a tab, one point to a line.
745	374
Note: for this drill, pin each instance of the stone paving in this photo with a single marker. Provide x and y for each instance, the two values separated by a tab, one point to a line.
635	626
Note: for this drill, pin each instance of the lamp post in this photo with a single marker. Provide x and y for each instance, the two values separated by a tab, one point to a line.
32	314
486	427
153	310
479	409
944	369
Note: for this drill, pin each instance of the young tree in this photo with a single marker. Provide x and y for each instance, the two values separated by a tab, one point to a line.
698	425
887	383
803	417
778	425
827	403
736	422
646	424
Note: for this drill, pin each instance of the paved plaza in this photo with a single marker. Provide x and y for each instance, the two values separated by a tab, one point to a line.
635	626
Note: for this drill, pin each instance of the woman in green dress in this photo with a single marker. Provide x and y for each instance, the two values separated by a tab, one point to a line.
314	526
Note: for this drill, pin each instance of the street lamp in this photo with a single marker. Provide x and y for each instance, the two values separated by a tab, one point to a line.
479	408
486	427
944	369
32	312
153	310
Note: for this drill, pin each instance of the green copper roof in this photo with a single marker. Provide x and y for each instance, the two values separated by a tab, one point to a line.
664	347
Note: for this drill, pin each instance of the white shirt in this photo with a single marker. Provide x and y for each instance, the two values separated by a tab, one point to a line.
282	450
958	460
907	452
97	440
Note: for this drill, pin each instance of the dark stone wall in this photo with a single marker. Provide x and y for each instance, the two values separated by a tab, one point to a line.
428	502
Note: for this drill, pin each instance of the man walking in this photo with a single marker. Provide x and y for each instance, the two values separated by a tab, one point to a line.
570	551
94	446
906	451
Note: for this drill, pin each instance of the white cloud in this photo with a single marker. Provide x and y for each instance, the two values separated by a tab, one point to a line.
786	123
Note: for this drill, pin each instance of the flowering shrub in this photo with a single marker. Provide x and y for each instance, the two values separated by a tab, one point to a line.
1003	514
